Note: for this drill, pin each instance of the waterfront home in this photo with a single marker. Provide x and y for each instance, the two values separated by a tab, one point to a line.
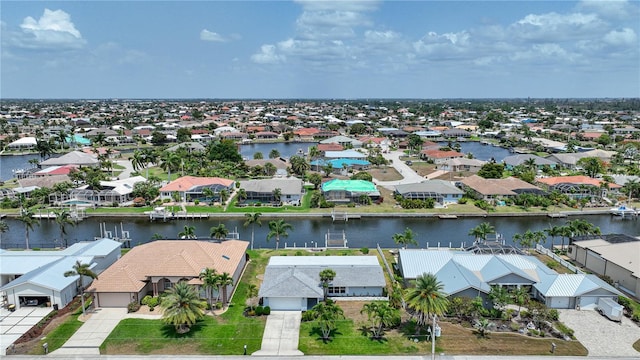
341	166
36	278
343	140
345	191
464	274
578	186
570	160
462	164
190	188
323	148
439	156
305	134
153	267
189	146
77	158
490	189
293	282
266	135
443	192
118	192
27	142
344	154
523	159
264	190
616	256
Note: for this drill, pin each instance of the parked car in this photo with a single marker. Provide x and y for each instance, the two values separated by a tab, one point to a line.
409	162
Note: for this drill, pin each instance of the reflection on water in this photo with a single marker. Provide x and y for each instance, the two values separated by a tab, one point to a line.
365	232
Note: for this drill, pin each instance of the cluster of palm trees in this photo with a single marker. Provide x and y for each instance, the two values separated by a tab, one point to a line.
211	279
577	227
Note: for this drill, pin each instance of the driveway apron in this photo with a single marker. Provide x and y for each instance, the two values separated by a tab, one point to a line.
91	335
281	334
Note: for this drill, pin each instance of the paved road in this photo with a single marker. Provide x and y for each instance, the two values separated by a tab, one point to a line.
128	169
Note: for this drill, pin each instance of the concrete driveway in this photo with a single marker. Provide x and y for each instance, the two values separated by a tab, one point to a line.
601	336
93	332
281	334
408	174
14	324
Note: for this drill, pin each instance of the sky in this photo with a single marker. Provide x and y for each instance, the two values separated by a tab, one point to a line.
319	49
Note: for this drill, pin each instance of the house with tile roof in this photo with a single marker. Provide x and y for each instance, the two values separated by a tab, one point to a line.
191	188
464	274
490	189
578	186
262	190
153	267
36	278
439	156
293	282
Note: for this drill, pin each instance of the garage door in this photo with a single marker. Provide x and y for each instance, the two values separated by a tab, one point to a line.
114	299
560	303
588	301
285	303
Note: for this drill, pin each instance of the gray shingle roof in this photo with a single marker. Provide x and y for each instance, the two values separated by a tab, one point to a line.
429	186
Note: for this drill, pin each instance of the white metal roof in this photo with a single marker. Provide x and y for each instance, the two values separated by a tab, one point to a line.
324	261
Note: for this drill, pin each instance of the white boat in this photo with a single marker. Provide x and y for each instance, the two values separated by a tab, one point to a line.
623	210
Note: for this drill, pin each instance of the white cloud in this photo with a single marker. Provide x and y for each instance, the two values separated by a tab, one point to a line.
623	37
207	35
612	9
268	55
54	30
556	27
381	37
443	46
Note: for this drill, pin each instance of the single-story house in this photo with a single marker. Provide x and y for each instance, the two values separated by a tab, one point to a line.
464	274
577	186
191	188
338	165
153	267
522	159
291	190
463	164
78	158
570	160
36	278
488	189
442	191
27	142
439	156
614	255
337	190
344	154
190	146
342	140
116	191
293	282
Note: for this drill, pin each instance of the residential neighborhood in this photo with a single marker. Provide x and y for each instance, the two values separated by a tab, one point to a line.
190	165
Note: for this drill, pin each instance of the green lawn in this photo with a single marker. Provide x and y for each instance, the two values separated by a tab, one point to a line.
59	335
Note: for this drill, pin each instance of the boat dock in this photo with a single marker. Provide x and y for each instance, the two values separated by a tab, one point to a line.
343	216
447	216
556	215
162	213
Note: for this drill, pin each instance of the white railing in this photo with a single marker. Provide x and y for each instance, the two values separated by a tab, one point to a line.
543	250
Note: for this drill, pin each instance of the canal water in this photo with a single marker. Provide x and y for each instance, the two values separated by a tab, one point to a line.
9	164
365	232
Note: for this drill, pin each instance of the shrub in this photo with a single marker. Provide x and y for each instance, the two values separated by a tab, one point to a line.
552	264
463	200
308	315
259	310
298	253
153	302
196	202
219	305
266	310
364	250
133	306
514	326
564	329
146	299
553	314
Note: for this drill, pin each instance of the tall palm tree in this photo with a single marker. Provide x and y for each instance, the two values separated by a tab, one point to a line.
169	161
242	194
252	219
63	218
553	231
326	277
277	194
182	307
224	195
26	216
209	279
81	271
188	232
219	232
406	238
426	298
481	231
278	228
224	280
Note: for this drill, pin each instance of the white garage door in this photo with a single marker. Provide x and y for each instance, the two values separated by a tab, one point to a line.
114	299
588	301
560	303
285	303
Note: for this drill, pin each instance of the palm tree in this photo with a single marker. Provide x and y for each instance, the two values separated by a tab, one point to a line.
188	232
224	280
242	194
277	195
169	161
251	295
26	216
553	231
182	307
252	219
481	231
499	296
381	315
326	277
270	169
63	218
3	228
327	314
219	232
224	195
406	238
278	228
81	270
299	165
426	298
520	296
482	326
208	193
209	279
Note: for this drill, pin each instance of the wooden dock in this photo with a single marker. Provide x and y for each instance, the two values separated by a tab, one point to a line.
447	216
343	216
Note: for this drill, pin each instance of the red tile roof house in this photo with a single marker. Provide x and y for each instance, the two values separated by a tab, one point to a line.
191	188
578	186
266	135
153	267
489	189
439	156
306	134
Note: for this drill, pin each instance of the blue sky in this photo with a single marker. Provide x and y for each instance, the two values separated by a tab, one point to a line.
311	49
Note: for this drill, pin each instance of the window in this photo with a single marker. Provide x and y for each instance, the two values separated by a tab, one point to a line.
337	290
167	284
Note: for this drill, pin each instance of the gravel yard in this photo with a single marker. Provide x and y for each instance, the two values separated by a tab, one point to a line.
601	336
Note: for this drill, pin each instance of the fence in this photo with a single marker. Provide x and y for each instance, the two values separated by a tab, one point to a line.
386	264
542	250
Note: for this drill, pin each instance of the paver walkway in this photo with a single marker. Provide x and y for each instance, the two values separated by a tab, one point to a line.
281	334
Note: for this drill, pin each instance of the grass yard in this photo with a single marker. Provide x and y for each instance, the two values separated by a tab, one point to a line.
57	337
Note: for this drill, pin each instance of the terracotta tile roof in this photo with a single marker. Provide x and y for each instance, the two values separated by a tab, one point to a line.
497	186
330	147
306	131
577	179
439	154
184	258
188	182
